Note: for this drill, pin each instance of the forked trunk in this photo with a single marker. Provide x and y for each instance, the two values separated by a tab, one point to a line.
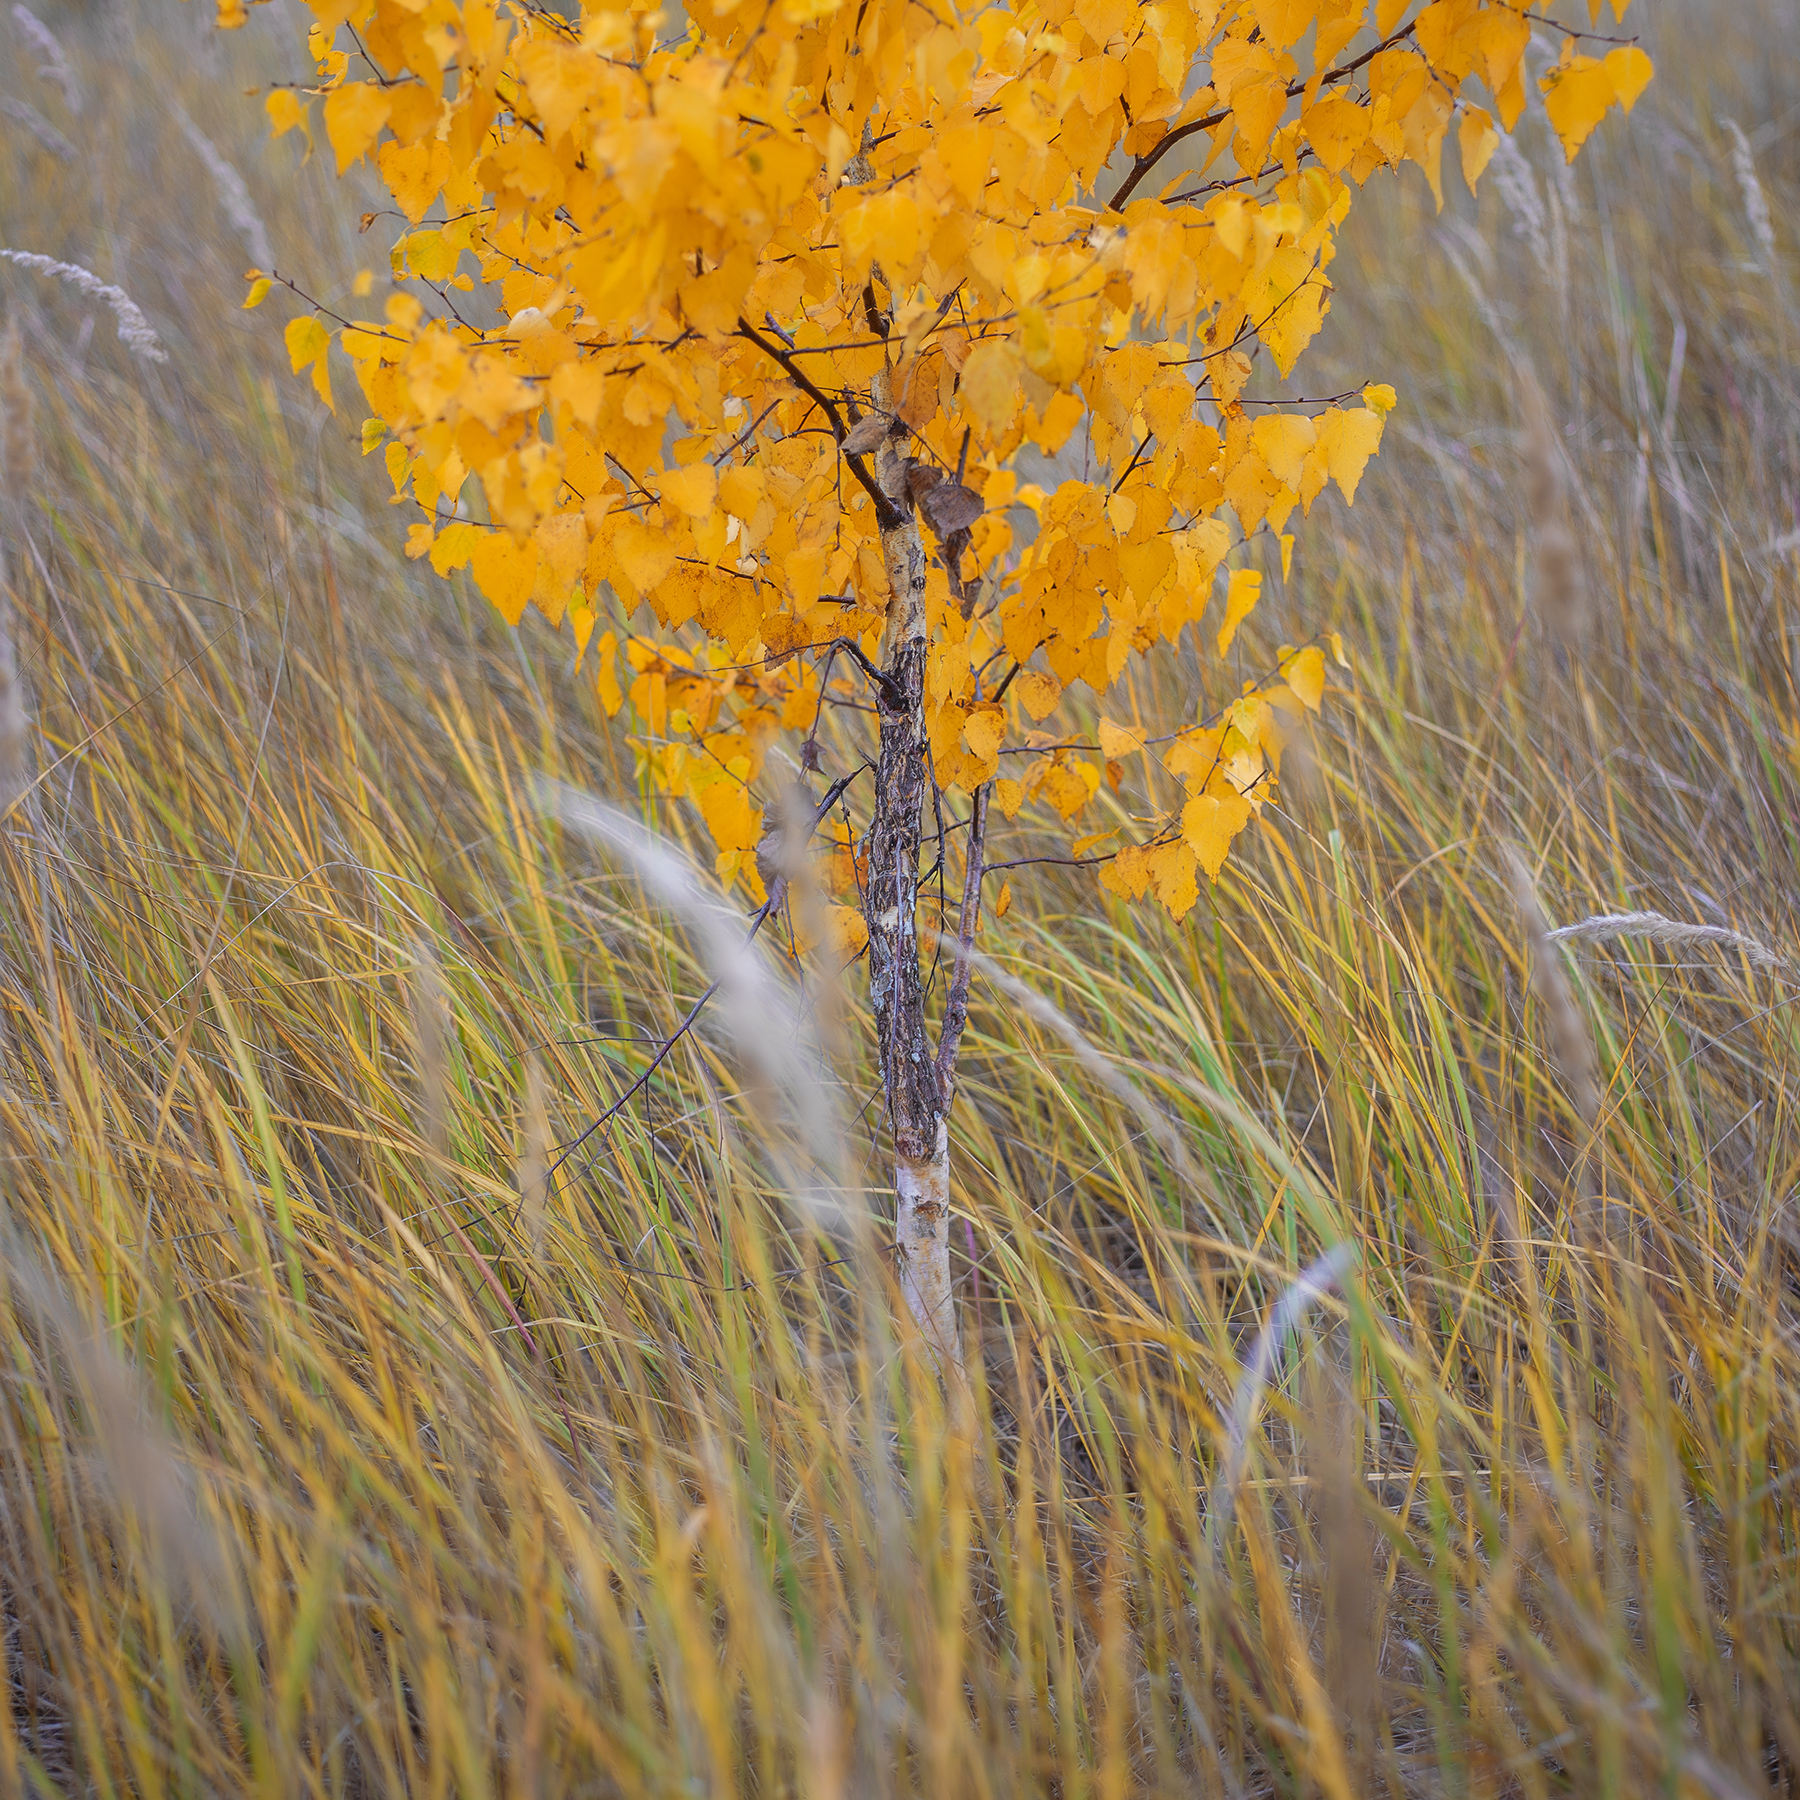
917	1083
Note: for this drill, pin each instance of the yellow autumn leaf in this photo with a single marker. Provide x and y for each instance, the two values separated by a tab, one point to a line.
505	572
1038	692
415	174
1577	92
983	731
692	490
1003	905
1009	796
847	931
1337	127
1119	741
1348	437
606	674
1050	429
741	491
582	620
1069	787
1128	873
1241	595
1282	441
1209	823
430	254
287	112
805	572
307	340
1171	872
1228	374
1478	140
562	543
560	80
1304	673
734	822
644	556
1630	72
308	346
990	384
259	292
1055	351
354	116
886	226
454	545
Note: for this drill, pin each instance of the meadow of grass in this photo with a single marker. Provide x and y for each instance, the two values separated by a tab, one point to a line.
1384	1373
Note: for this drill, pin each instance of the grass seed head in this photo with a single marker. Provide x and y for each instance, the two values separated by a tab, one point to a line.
1571	1043
1560	594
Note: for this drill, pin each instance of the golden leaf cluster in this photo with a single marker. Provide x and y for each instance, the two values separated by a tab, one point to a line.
648	289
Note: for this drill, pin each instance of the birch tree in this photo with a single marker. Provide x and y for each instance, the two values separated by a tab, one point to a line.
783	294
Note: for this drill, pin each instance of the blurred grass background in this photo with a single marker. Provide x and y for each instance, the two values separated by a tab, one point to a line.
345	1454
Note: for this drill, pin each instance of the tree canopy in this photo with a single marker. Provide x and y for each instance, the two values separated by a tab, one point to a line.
741	264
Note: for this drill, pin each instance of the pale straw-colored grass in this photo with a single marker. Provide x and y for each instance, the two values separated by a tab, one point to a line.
345	1450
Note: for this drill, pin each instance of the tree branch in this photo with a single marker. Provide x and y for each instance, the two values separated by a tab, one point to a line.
956	1008
887	514
1154	154
777	893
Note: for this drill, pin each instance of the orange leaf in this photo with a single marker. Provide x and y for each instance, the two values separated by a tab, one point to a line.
1241	595
1208	824
354	116
990	384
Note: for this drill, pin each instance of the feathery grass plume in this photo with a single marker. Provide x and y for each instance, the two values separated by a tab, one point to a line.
1570	1042
1513	174
18	468
432	1028
760	1016
1756	202
1559	594
137	1461
134	329
1657	928
1352	1665
239	208
39	127
55	66
1318	1279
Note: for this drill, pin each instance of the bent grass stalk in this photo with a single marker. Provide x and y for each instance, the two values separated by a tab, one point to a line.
782	1558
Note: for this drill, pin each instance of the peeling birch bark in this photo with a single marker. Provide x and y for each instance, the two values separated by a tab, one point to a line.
916	1096
922	1230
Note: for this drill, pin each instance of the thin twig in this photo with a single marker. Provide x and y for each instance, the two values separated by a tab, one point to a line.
956	1007
887	514
777	893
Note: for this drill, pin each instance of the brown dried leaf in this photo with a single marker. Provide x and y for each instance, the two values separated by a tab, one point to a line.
949	507
866	434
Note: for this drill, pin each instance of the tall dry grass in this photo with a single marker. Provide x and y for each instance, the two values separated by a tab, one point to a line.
1356	1409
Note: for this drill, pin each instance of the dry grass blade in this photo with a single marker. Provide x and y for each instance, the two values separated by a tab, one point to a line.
613	1483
